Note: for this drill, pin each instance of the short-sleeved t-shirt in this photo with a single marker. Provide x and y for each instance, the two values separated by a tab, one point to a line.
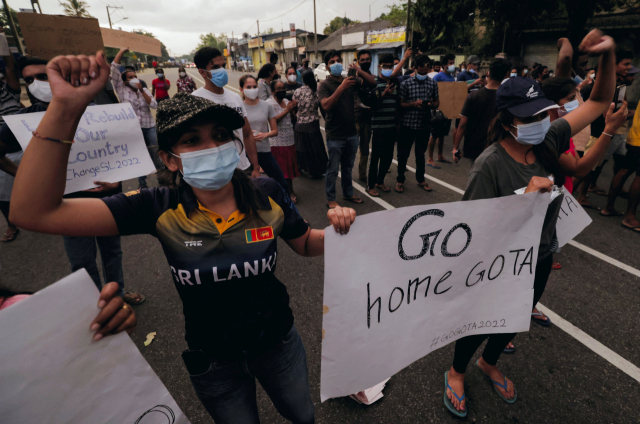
291	88
234	101
479	109
259	116
161	92
444	77
234	306
496	174
468	76
341	120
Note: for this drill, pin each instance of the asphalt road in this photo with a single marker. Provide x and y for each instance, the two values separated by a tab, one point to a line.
559	380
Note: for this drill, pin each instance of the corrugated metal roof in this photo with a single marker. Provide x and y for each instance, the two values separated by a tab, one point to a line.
334	40
377	46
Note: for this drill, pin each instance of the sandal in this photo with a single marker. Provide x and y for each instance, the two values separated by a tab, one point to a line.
425	187
509	349
134	299
634	229
371	192
399	188
542	322
434	166
443	160
556	265
503	386
10	237
354	199
447	401
609	215
383	188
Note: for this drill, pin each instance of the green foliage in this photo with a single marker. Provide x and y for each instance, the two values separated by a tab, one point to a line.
337	23
4	21
212	40
397	15
268	31
77	8
444	24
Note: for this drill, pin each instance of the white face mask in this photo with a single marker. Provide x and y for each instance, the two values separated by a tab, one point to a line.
133	82
41	90
292	78
183	74
251	93
451	68
160	74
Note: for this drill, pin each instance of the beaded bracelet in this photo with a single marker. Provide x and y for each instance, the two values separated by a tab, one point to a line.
610	135
35	134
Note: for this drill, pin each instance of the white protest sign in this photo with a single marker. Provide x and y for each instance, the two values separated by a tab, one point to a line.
571	220
53	372
408	281
109	145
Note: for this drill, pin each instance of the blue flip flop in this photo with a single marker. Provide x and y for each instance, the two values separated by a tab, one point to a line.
434	166
448	402
503	386
544	323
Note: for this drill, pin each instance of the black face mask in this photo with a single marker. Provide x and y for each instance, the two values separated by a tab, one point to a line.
281	95
544	77
366	66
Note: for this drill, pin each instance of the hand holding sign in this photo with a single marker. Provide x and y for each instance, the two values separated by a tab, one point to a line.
76	80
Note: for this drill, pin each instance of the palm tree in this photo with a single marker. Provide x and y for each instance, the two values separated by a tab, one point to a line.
77	8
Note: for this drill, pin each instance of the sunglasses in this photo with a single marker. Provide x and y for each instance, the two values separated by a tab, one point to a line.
39	77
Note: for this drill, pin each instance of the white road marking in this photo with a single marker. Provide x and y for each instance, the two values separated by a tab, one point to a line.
609	355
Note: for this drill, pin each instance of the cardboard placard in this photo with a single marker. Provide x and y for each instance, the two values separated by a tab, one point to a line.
48	36
135	42
452	98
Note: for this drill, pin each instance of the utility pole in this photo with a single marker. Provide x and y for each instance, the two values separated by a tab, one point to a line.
108	15
406	34
12	25
259	39
315	33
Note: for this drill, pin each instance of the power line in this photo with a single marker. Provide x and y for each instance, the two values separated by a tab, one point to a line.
325	5
277	17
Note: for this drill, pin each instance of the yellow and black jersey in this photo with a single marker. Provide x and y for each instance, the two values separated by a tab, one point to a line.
233	304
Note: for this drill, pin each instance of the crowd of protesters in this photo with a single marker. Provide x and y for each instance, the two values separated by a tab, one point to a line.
518	127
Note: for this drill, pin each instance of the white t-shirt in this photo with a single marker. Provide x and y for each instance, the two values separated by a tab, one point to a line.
234	101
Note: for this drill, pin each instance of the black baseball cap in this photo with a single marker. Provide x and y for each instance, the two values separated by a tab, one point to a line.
523	97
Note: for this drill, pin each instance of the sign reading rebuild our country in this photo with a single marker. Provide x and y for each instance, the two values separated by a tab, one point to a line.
135	42
48	36
108	145
421	277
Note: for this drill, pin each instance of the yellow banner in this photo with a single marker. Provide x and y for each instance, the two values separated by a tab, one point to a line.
388	35
256	42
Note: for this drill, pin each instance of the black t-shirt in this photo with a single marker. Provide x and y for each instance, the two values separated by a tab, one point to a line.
233	304
290	89
341	120
479	109
6	135
597	126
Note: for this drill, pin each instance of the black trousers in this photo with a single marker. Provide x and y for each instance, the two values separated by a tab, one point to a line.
467	346
406	139
383	141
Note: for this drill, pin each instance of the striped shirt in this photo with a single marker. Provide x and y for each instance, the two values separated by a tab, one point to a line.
9	101
385	112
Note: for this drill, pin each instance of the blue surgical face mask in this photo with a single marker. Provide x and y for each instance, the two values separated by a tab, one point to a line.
526	71
513	75
577	79
219	77
573	104
451	68
336	69
421	77
210	169
386	72
533	133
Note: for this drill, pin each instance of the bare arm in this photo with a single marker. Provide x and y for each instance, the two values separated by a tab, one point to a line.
398	69
462	127
565	56
252	150
273	125
37	202
312	242
580	167
286	110
603	87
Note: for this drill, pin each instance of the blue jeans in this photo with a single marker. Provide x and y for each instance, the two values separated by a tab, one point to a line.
270	166
228	389
81	252
342	154
151	140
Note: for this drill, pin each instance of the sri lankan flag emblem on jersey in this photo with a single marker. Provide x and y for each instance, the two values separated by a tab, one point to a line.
259	234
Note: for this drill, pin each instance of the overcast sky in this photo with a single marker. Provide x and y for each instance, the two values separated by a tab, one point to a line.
178	23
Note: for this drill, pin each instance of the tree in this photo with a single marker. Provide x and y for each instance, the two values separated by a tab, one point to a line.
211	40
268	31
77	8
338	23
4	21
443	24
397	15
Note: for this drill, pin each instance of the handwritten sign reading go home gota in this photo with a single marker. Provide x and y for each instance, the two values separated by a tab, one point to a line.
420	277
109	145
